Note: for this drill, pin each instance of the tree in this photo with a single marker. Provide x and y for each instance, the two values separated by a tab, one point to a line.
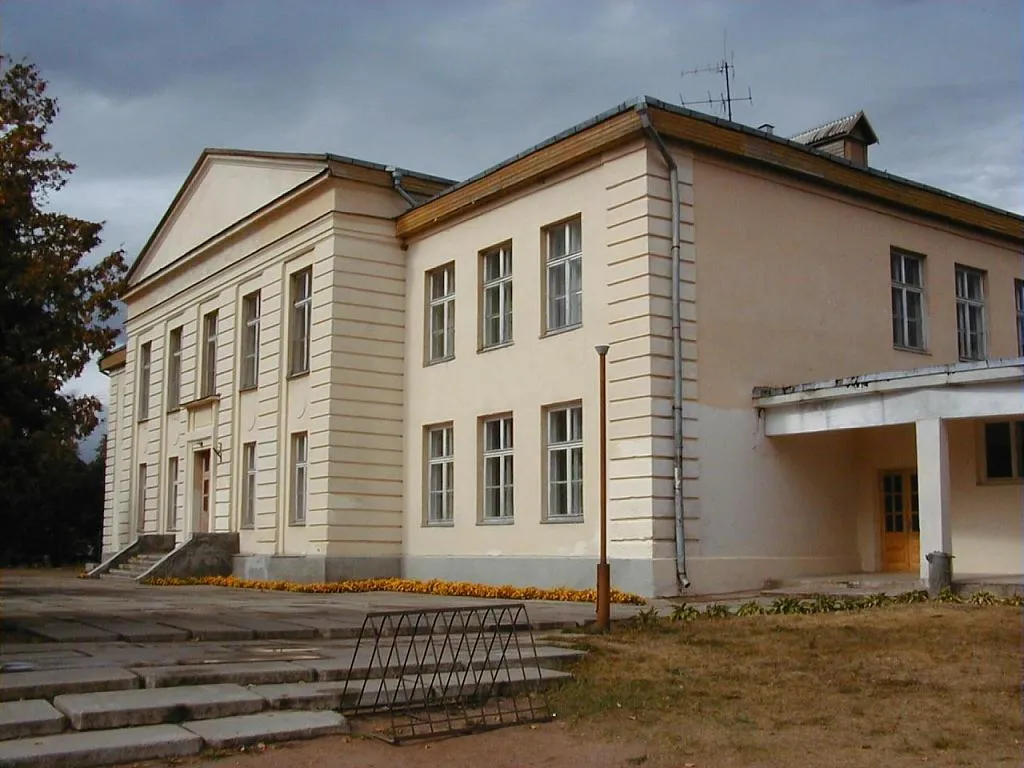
56	304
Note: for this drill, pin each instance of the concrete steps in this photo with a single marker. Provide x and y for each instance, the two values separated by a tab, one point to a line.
79	717
134	567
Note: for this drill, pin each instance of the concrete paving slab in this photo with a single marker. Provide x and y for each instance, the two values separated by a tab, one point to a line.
307	696
63	631
267	727
139	631
207	628
332	624
265	626
120	709
34	717
74	750
50	683
254	673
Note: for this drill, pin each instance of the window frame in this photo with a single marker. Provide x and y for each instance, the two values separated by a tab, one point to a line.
446	303
1018	299
174	340
173	492
500	286
1016	448
901	286
569	446
208	380
145	379
563	263
964	304
446	460
249	346
300	324
247	512
142	483
504	456
298	504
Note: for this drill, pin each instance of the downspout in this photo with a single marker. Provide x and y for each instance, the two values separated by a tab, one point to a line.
396	180
677	353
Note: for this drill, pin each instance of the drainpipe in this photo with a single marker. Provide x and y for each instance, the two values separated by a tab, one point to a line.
677	355
396	180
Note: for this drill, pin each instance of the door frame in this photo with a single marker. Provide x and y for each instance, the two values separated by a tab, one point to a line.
197	489
879	514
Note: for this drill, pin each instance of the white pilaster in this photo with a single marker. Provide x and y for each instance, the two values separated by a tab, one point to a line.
933	489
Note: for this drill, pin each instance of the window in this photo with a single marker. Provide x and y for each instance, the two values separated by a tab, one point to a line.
565	463
173	493
498	496
249	485
440	474
302	318
970	313
145	366
1018	292
1004	450
300	478
174	369
250	340
140	498
565	275
497	304
907	300
209	372
441	319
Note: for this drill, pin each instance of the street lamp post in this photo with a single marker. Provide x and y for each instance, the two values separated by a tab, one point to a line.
604	575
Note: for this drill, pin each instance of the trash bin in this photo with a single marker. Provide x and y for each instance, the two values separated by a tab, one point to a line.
940	572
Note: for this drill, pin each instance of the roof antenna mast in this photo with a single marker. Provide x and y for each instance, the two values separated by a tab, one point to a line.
727	68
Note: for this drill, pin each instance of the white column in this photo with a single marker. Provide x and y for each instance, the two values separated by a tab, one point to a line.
933	489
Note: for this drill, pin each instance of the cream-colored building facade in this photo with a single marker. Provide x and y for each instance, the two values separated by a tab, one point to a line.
814	367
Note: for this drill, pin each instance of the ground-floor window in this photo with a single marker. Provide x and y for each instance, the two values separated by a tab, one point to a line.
1004	450
565	462
249	485
440	474
498	469
300	478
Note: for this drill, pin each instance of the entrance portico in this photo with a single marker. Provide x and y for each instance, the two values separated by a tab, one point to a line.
929	399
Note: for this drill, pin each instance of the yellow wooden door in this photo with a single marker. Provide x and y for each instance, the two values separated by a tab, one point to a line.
901	521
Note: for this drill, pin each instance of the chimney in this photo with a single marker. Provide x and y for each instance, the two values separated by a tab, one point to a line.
766	127
848	137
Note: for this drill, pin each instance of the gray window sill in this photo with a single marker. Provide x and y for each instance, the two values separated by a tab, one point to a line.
248	388
563	329
439	524
439	360
563	519
492	347
506	520
297	374
912	350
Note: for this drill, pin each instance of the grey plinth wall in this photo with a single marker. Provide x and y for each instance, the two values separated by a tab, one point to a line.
309	569
205	554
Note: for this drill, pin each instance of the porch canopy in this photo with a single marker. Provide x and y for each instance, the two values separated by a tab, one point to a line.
924	397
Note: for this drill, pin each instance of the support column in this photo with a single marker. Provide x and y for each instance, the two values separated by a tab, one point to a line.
933	489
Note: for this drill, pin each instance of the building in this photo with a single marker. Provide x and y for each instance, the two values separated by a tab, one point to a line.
815	367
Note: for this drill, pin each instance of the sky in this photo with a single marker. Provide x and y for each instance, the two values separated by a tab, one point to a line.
451	87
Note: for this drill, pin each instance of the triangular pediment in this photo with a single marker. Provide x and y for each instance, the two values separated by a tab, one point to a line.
224	187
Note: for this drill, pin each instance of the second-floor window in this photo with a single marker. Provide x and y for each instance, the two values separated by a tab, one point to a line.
907	300
497	296
302	320
174	368
441	313
208	385
970	313
564	275
145	369
250	340
1018	292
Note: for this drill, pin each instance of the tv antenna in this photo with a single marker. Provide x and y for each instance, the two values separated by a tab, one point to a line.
727	68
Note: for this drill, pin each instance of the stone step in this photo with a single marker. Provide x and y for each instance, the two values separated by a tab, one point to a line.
267	727
120	709
80	750
251	673
49	683
34	717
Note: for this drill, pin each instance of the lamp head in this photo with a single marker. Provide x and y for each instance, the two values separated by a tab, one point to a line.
602	349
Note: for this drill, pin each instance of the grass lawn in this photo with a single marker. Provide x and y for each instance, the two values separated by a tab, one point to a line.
925	684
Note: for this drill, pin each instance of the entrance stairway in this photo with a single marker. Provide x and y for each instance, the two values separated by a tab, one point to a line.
133	567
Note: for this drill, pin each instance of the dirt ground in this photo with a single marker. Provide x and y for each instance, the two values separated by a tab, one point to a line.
936	685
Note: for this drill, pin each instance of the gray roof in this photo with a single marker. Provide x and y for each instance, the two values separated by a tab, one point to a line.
844	126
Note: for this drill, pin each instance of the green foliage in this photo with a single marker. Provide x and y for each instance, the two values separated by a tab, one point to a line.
684	612
56	304
983	598
916	596
750	608
648	617
716	611
784	605
946	595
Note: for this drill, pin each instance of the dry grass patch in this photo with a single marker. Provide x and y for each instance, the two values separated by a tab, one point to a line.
909	685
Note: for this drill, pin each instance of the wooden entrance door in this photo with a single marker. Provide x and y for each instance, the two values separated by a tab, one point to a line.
901	522
201	492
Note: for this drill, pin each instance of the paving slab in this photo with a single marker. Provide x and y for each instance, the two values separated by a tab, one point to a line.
139	631
312	696
64	631
74	750
50	683
270	627
254	673
332	624
267	727
34	717
120	709
206	628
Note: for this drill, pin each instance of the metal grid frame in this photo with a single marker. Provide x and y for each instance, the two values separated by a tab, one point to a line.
447	671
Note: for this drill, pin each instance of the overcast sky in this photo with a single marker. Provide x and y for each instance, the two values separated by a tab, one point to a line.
451	87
